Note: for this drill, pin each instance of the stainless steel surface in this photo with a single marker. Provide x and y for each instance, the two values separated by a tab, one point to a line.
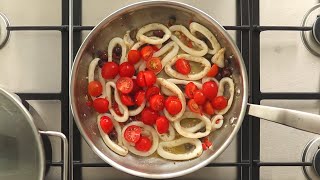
135	16
4	33
308	156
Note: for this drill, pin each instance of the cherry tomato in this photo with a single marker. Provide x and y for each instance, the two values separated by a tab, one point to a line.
144	144
199	97
116	109
155	49
154	64
141	81
126	100
153	90
126	69
149	116
190	89
207	142
139	97
162	124
124	85
213	71
150	78
132	134
193	106
101	105
106	124
204	146
134	56
219	102
94	88
157	102
183	66
210	89
136	88
109	70
207	108
146	52
173	105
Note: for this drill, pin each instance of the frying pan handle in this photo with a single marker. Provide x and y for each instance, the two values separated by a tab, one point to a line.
65	149
292	118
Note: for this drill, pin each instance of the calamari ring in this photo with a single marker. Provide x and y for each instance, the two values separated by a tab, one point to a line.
125	112
146	129
127	40
196	152
183	132
206	79
218	58
115	147
196	27
174	51
169	136
152	40
136	46
196	76
112	44
92	67
183	82
198	42
177	91
223	82
215	125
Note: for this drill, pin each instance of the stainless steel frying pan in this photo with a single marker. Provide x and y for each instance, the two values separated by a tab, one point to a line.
135	16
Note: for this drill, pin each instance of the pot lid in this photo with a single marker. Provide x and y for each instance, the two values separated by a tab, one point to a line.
21	151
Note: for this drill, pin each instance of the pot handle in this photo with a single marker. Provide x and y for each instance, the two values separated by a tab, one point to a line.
65	150
292	118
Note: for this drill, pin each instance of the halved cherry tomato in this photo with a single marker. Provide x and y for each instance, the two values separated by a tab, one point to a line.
157	102
207	108
183	66
219	102
126	100
134	56
146	52
150	78
132	134
139	97
207	142
106	124
124	85
154	64
144	144
101	105
136	88
155	49
204	146
126	69
173	105
190	89
94	88
116	109
210	89
109	70
149	116
141	81
199	97
213	71
153	90
193	106
162	124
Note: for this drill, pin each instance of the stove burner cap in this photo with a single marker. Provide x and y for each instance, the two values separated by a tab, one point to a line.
4	33
311	153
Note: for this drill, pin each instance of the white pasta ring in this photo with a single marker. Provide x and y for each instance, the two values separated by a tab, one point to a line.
151	27
113	44
223	82
92	67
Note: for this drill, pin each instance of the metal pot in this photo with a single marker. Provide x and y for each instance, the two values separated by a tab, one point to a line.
22	153
135	16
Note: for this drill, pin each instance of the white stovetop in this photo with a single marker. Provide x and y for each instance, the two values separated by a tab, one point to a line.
31	62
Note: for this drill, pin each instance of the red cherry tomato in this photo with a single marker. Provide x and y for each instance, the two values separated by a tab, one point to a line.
144	144
207	142
141	81
155	49
207	108
193	106
210	89
146	52
183	66
139	97
204	146
150	78
124	85
149	116
116	109
190	89
101	105
213	71
162	124
219	102
134	56
153	90
126	100
126	69
199	97
173	105
136	88
157	102
132	134
94	88
154	64
106	124
109	70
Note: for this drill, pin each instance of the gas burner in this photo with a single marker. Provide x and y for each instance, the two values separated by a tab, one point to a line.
311	39
311	153
4	33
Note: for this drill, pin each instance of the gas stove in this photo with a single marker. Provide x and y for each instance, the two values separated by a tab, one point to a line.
277	42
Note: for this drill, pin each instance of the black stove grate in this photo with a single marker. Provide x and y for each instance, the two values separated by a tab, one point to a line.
248	40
